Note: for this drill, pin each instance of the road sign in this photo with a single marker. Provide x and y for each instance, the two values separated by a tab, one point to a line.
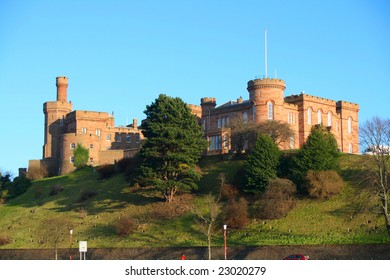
82	246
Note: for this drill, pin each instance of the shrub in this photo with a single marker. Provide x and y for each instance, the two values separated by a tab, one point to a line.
4	239
37	172
235	213
56	189
228	192
85	195
125	226
106	171
324	184
18	186
262	165
277	201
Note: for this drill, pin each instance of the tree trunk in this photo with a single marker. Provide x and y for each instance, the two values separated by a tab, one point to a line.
209	239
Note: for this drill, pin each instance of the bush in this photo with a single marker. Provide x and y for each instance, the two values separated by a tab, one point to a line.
106	171
56	189
277	201
37	172
85	195
125	226
18	186
4	239
262	165
235	213
228	192
324	184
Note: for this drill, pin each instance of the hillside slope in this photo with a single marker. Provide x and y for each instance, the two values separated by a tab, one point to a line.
93	207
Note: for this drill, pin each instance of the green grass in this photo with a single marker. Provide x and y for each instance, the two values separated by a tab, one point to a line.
348	218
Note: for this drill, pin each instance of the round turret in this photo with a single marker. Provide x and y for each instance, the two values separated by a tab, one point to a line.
62	87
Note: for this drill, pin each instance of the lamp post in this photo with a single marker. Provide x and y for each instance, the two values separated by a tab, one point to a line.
224	240
70	244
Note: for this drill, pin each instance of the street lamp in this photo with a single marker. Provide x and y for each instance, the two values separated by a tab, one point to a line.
70	244
224	240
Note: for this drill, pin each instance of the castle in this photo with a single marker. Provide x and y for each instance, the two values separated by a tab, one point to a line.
96	131
64	128
267	102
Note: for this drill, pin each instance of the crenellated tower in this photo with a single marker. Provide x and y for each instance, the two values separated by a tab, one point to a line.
267	98
55	113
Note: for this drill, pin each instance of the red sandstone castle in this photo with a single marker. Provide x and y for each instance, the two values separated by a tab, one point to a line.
267	102
64	128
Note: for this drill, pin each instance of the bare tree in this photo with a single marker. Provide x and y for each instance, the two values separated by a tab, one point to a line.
207	214
54	232
280	132
243	133
375	137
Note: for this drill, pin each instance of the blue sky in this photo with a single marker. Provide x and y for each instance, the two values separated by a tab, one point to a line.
120	55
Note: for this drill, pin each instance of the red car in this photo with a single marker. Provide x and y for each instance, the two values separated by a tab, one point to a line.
296	257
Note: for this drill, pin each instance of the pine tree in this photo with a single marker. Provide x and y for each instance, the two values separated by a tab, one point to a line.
262	165
174	143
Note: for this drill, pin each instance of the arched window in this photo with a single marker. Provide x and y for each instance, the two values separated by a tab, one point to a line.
245	117
350	148
309	116
329	118
292	142
349	125
319	114
270	110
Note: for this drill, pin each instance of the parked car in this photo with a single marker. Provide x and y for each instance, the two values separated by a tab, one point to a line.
296	257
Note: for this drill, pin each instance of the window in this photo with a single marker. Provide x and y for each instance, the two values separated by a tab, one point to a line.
270	106
290	118
309	116
350	148
227	120
137	138
254	112
71	159
223	122
245	117
349	125
91	146
98	132
215	143
226	141
72	146
84	130
292	142
108	137
204	124
319	114
118	138
62	121
128	138
91	160
329	118
219	123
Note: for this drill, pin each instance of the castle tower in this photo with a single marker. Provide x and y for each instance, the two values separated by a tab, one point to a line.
267	97
208	105
55	113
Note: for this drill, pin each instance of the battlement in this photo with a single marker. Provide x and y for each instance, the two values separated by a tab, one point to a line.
266	83
208	100
307	97
56	105
347	105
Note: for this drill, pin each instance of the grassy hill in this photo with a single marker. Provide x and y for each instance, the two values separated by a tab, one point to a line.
93	207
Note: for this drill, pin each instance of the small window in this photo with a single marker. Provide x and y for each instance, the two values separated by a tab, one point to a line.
91	146
72	146
98	132
91	160
349	125
329	118
137	138
350	150
319	114
292	142
128	138
270	106
84	130
62	121
223	122
245	117
219	123
108	137
71	159
118	138
309	116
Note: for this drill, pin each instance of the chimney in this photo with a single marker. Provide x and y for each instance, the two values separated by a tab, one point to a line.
135	123
62	87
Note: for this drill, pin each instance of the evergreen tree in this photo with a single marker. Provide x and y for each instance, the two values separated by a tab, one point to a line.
174	143
262	165
318	153
81	156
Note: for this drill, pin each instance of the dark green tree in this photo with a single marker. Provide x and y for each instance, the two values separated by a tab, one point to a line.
174	143
318	153
81	156
262	165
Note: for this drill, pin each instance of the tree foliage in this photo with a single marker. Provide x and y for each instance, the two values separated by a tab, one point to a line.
81	156
262	165
174	143
318	153
375	135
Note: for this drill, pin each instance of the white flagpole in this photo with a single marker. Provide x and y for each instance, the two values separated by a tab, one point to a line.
265	53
